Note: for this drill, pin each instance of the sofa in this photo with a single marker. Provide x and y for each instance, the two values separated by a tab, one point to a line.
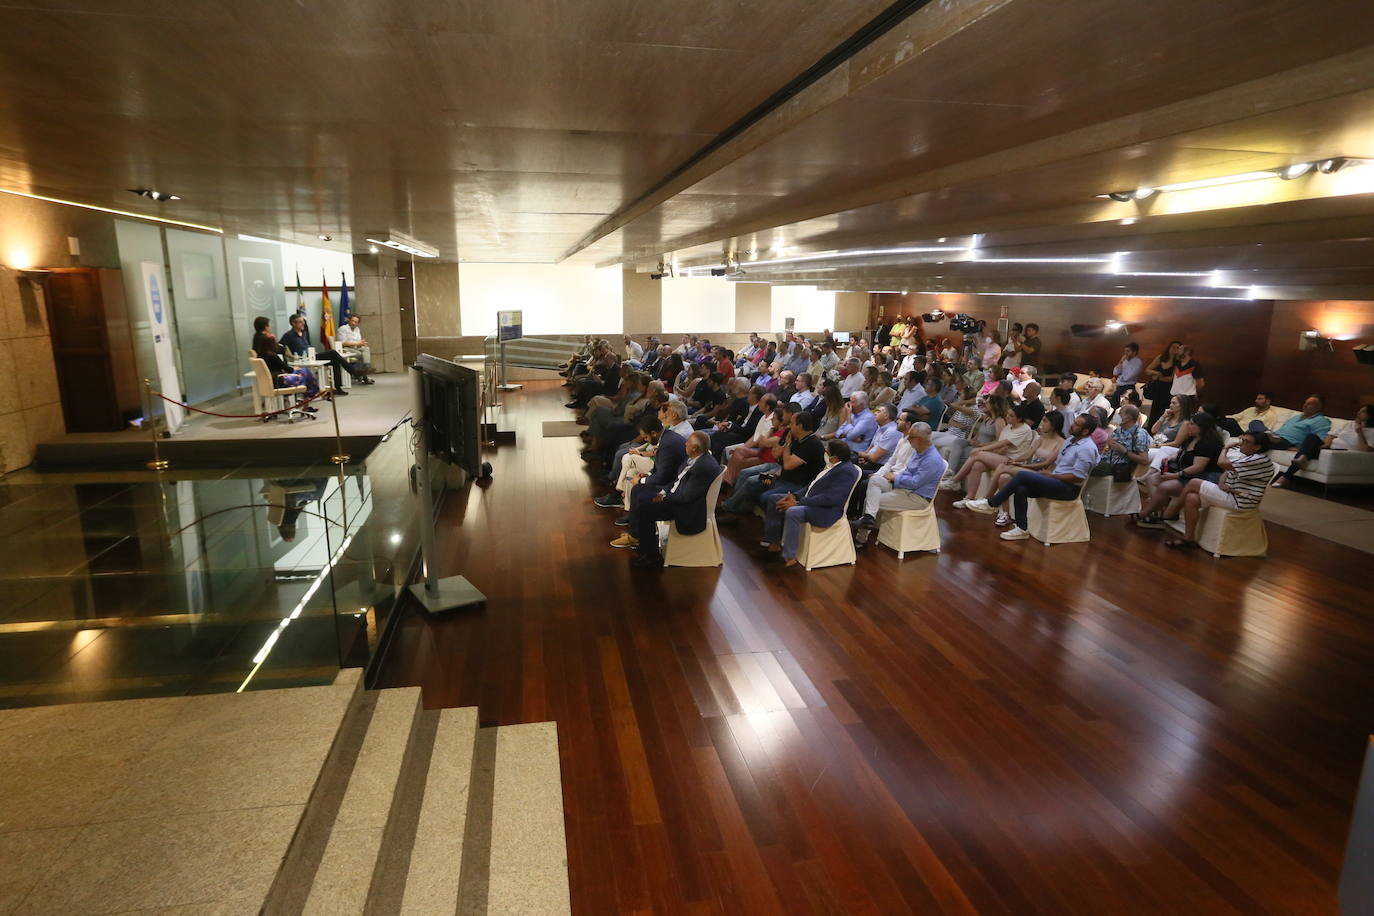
1332	468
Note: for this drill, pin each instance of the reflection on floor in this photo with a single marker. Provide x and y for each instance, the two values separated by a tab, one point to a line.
133	584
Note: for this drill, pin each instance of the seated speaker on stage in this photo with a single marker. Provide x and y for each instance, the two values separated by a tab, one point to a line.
350	340
271	352
297	341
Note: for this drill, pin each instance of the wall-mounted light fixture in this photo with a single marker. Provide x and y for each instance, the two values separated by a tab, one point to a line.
1312	339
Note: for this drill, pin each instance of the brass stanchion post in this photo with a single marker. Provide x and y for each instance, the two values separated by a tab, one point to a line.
339	459
158	463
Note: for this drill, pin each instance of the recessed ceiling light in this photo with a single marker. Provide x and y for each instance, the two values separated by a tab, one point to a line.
130	214
373	249
325	238
152	194
1296	170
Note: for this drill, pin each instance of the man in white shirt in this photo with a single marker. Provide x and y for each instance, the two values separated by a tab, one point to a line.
633	351
350	341
854	381
1093	397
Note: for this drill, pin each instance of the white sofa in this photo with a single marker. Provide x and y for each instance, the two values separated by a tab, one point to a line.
1332	467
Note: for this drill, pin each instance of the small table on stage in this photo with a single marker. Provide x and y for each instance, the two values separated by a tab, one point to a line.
323	373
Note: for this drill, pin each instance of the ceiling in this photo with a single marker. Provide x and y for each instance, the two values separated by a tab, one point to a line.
608	130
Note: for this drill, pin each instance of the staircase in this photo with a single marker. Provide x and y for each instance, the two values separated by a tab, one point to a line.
312	800
421	812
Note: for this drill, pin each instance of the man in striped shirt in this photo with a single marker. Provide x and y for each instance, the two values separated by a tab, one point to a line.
1248	472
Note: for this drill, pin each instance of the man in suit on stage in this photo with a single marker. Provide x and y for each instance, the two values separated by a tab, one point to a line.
681	499
821	505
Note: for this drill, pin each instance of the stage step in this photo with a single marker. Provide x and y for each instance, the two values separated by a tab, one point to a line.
345	873
422	812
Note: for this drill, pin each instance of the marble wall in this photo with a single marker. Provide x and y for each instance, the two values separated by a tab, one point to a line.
30	405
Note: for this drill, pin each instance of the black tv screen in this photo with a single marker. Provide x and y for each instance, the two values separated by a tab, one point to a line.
451	420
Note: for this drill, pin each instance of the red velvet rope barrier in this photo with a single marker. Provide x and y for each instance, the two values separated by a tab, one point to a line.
242	416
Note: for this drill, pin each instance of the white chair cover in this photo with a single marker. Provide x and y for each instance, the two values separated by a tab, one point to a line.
833	546
1232	533
909	530
1059	521
701	549
1107	497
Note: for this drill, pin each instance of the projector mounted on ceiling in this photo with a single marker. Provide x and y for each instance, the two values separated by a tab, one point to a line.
404	243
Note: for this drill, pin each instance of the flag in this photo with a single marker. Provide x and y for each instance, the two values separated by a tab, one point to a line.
326	317
300	295
343	299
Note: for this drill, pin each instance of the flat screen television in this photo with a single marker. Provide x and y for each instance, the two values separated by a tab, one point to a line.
451	412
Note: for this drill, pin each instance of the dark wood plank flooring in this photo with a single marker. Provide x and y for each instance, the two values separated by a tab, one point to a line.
1004	728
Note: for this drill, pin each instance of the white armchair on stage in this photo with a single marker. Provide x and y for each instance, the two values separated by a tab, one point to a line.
909	530
833	546
701	549
266	396
1059	521
1232	533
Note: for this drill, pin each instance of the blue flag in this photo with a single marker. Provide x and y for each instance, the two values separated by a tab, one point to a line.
343	300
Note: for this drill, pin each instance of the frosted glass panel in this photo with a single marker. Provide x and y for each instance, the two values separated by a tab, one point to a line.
555	298
206	337
813	309
699	305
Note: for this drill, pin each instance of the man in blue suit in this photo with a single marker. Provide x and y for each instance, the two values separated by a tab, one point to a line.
822	504
681	500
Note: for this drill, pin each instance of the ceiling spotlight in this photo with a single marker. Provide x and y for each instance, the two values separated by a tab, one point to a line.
1122	196
1296	170
326	238
1143	193
373	249
1128	221
1327	166
152	194
404	243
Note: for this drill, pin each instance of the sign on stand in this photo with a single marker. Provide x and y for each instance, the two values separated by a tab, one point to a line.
168	381
509	326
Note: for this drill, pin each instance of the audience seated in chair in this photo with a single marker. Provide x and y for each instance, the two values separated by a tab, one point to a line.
821	503
1015	442
911	486
1071	469
681	500
1247	472
1196	459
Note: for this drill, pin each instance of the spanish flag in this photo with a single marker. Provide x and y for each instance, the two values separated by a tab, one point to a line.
326	317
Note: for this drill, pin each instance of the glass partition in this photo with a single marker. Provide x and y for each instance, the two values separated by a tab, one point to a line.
134	584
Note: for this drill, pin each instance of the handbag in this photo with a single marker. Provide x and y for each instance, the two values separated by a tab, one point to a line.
1121	472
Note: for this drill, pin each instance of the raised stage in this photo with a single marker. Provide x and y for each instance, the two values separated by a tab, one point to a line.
365	415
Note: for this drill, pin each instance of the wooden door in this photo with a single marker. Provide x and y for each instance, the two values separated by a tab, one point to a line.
81	351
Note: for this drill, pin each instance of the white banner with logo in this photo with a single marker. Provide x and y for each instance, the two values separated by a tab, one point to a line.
169	382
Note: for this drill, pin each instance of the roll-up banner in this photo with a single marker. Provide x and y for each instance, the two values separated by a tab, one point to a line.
155	297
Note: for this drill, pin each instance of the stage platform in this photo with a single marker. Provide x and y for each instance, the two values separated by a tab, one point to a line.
365	415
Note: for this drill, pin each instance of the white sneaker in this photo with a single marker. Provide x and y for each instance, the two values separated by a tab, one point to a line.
962	503
980	505
951	484
1015	534
1002	520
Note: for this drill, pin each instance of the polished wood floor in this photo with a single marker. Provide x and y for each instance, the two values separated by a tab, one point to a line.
1004	728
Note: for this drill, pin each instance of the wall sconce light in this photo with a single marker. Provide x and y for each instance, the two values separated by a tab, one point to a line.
1115	327
1365	354
1312	339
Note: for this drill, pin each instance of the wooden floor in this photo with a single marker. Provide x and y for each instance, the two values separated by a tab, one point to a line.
1004	728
